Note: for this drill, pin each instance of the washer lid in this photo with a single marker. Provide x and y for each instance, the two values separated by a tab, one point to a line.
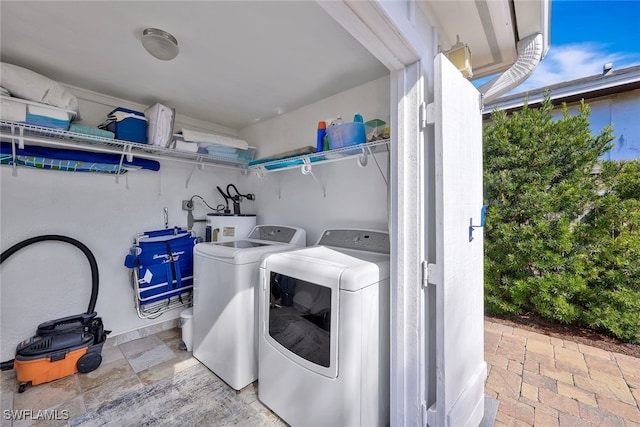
242	244
239	251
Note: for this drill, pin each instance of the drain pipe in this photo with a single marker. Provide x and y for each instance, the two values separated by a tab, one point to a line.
530	53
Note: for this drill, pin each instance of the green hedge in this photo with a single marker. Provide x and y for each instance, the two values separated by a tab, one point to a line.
561	241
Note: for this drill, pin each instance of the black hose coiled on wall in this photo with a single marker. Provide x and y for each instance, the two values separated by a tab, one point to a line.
92	260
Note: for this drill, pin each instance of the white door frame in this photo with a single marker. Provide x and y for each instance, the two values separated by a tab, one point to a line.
397	35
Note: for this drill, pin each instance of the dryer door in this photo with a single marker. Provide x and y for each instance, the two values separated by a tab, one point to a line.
300	308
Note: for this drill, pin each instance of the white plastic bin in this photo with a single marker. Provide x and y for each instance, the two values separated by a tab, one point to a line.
186	323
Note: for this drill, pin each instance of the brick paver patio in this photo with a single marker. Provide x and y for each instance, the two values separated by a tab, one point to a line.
544	381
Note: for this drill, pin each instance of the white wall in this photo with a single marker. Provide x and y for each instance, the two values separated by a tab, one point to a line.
621	112
51	279
355	196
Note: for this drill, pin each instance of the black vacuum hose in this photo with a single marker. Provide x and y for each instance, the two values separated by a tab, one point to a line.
92	260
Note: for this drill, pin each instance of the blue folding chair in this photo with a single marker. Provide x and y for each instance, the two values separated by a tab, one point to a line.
161	262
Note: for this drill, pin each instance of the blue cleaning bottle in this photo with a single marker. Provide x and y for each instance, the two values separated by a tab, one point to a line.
322	131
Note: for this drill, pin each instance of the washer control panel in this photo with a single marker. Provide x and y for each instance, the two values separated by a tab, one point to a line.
362	240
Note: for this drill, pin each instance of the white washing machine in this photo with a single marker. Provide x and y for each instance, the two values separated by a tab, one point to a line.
324	331
225	308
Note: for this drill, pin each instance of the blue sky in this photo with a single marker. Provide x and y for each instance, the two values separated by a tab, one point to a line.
585	35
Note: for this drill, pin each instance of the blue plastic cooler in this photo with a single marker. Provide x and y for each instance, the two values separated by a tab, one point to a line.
127	125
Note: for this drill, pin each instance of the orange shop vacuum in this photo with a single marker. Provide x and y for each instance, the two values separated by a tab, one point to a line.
64	346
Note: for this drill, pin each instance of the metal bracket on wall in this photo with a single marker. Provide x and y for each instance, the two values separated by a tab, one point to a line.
198	165
262	175
126	151
306	170
20	140
363	160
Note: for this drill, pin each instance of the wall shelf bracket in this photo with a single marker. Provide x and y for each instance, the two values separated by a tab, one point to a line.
19	139
262	175
307	170
199	165
363	160
126	151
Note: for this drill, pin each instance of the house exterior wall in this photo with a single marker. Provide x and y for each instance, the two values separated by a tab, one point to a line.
620	111
615	103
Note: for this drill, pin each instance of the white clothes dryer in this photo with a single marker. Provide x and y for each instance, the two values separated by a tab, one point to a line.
324	331
225	286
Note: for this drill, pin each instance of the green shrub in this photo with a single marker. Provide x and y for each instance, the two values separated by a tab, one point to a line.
561	241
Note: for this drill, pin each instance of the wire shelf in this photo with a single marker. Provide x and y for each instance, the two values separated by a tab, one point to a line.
22	133
49	137
322	157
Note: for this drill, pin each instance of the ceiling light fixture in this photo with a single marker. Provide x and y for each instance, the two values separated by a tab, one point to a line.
160	44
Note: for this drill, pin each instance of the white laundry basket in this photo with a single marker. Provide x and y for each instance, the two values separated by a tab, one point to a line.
186	323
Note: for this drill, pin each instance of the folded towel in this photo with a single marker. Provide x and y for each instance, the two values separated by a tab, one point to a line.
186	146
47	122
47	111
11	110
216	147
196	136
87	130
160	124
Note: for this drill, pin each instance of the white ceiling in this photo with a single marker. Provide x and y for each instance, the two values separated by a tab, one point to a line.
239	61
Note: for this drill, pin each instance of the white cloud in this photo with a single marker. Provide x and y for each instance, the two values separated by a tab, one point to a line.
570	62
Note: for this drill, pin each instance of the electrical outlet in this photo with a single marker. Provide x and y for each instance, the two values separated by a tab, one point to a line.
187	205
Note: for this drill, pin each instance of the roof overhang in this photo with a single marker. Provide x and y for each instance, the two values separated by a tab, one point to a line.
587	88
491	29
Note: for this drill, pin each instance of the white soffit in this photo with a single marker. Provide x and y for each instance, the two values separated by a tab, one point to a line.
486	26
533	17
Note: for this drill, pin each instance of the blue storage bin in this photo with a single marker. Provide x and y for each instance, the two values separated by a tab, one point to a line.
128	125
34	113
346	134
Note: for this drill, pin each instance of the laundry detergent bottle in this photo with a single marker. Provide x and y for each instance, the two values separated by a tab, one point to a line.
322	131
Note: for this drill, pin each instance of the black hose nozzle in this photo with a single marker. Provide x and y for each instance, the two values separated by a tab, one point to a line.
7	366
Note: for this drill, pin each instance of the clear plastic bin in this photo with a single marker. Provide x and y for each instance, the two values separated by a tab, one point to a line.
346	134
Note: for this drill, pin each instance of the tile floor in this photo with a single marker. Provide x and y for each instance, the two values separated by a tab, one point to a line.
537	380
126	368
